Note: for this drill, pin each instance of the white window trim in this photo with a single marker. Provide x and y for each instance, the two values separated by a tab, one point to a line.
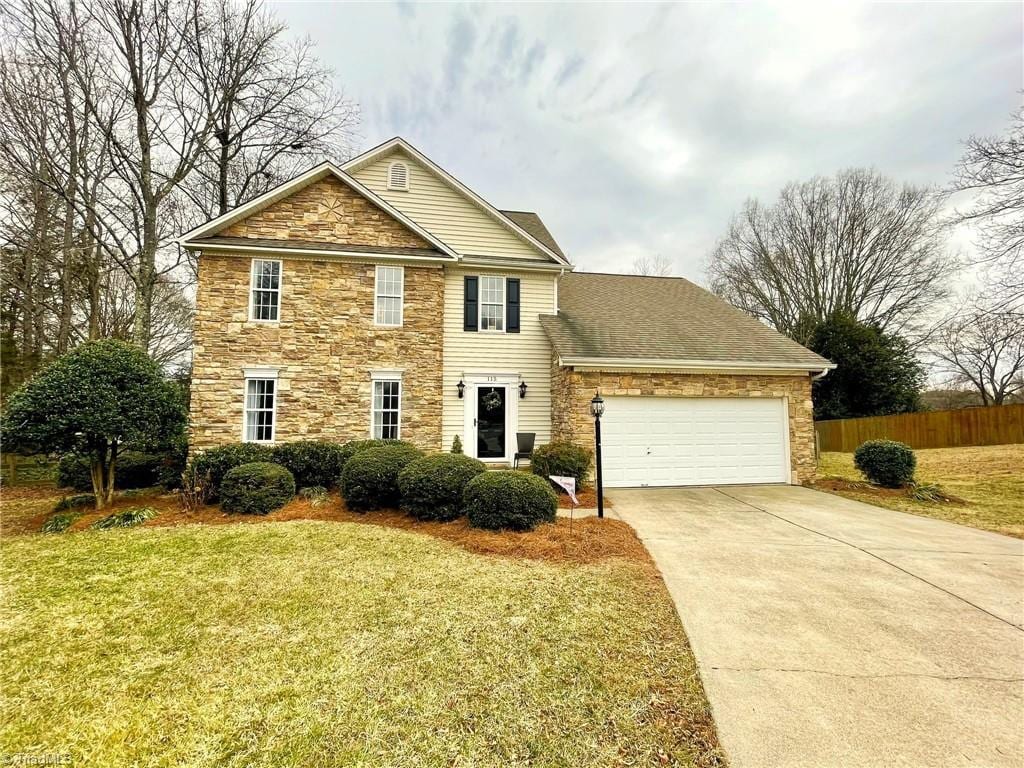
376	296
253	289
260	374
397	187
480	304
383	375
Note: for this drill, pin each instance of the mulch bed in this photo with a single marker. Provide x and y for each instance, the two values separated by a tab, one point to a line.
587	497
839	484
587	540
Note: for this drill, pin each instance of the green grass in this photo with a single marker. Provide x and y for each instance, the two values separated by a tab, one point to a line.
989	478
323	644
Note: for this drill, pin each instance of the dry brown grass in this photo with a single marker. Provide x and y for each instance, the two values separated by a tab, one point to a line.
989	480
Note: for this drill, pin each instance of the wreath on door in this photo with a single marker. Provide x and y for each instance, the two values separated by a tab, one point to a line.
491	401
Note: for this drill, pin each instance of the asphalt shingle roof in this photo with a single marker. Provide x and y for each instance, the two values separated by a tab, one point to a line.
532	224
661	318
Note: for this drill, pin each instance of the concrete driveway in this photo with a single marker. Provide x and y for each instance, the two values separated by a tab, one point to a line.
834	633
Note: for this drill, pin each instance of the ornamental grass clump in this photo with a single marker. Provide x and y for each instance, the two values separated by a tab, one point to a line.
507	500
886	462
126	518
256	489
431	488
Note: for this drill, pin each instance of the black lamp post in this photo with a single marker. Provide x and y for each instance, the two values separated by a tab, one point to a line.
597	410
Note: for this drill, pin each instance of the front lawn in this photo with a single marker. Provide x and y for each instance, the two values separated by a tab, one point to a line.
989	480
318	642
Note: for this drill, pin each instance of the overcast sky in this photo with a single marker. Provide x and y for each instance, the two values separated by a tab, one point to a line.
639	130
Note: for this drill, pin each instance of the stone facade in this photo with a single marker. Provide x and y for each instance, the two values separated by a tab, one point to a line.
325	347
571	391
327	211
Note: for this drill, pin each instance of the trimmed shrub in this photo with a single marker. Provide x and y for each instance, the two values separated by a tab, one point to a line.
886	462
172	465
370	477
132	470
352	447
456	444
432	487
209	468
565	459
126	518
257	488
312	462
509	500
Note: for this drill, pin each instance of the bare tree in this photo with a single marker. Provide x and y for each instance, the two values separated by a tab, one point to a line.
993	168
652	266
856	244
274	105
983	348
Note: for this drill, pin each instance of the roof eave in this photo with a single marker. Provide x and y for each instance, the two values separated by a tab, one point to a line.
642	363
324	253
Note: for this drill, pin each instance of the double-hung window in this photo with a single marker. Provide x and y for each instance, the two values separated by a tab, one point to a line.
492	304
265	303
388	292
387	409
260	409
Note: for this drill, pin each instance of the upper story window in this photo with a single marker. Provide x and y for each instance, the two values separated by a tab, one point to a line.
265	301
492	304
260	409
398	176
388	291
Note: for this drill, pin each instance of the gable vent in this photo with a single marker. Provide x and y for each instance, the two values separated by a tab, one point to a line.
398	176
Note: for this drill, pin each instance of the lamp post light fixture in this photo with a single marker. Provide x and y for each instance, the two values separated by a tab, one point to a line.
522	390
597	411
461	386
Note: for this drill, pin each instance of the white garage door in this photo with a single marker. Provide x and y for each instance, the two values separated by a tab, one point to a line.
694	441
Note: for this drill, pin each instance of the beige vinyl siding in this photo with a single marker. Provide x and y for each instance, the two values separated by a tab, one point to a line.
444	212
528	353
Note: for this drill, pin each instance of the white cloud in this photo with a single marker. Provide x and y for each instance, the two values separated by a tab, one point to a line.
639	129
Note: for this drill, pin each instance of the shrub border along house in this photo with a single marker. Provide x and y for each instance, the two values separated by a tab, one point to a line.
370	478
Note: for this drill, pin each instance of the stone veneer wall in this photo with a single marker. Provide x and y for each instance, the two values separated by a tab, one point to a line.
571	391
325	347
327	211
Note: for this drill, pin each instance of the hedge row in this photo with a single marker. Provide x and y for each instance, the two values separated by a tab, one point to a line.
375	474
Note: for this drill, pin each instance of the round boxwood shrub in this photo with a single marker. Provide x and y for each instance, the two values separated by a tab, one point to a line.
509	500
312	462
564	459
886	462
352	447
370	477
432	487
210	467
256	489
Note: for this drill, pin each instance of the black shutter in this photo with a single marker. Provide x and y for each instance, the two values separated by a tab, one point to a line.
512	304
469	305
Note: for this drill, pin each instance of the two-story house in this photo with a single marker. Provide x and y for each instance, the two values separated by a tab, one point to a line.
384	298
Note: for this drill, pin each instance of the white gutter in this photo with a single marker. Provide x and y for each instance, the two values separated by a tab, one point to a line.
364	255
703	365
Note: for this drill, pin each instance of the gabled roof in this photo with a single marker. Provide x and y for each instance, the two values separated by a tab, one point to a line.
500	216
214	226
663	322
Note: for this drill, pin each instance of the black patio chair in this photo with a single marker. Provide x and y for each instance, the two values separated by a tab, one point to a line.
524	447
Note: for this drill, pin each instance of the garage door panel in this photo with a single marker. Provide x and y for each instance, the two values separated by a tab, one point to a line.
694	441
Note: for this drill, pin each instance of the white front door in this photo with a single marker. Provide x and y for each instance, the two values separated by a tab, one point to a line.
651	441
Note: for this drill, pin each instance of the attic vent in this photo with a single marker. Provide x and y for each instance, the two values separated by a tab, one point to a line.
398	176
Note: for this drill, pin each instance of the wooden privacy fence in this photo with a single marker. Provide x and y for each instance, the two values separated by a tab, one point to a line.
996	425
